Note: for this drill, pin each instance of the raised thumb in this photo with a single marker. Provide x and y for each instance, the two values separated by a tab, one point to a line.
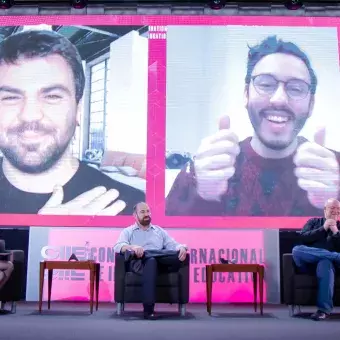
224	123
320	136
56	198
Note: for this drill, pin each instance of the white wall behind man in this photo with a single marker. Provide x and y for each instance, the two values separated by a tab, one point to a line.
126	125
187	87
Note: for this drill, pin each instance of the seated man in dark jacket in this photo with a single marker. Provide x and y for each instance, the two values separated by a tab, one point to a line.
321	247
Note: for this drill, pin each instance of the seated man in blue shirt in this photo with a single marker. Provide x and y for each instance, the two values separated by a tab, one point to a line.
154	249
321	247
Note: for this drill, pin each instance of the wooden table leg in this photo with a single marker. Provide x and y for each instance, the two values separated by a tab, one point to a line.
97	283
41	284
92	278
261	277
255	290
50	280
209	277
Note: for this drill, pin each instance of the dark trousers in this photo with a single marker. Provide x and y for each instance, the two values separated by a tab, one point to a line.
306	259
153	263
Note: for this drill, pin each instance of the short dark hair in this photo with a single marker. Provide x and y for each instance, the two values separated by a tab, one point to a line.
273	45
33	44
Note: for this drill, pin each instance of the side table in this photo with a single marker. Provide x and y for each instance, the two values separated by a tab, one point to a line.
256	269
92	266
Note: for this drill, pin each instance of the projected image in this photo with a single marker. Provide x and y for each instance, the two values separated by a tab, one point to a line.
252	121
73	119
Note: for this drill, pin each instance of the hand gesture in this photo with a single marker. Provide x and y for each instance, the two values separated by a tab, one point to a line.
139	251
182	254
92	202
329	223
215	160
317	170
334	228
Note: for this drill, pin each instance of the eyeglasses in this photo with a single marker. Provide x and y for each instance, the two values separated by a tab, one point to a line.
266	84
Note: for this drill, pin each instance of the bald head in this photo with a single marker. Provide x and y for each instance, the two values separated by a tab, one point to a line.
142	214
332	209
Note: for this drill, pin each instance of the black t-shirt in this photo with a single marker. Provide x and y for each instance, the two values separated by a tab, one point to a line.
15	201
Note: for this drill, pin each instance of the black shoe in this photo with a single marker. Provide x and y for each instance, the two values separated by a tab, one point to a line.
223	261
149	313
319	315
151	316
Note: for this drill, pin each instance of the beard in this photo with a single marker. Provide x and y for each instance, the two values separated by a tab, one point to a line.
145	221
36	158
276	143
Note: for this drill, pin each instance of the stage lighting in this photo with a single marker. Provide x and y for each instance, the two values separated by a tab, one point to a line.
78	4
217	4
293	4
6	4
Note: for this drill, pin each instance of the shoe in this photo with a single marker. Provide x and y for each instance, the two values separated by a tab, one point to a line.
319	315
223	261
149	313
151	316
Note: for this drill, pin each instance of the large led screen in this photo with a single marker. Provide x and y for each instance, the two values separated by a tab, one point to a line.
216	122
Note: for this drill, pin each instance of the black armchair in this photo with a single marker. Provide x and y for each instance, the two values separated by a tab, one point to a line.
12	290
170	288
300	289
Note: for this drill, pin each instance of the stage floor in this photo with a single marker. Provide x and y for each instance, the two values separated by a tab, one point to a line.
73	321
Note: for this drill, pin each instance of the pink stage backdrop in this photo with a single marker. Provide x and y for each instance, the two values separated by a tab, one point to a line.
243	246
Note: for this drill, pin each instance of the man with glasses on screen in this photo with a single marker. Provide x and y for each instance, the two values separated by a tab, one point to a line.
275	172
41	86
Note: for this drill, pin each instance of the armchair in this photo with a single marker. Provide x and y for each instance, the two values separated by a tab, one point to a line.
300	289
170	288
11	292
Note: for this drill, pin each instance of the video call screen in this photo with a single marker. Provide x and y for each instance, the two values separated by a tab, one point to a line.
221	122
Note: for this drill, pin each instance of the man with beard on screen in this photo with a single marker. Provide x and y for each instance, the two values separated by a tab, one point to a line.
41	86
275	172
